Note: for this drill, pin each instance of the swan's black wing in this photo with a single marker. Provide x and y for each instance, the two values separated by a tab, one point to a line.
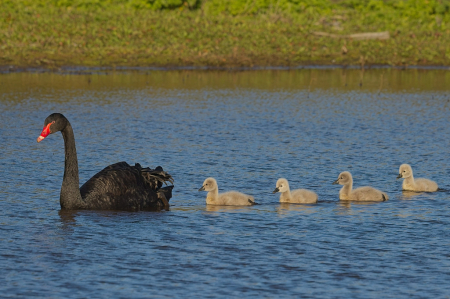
124	187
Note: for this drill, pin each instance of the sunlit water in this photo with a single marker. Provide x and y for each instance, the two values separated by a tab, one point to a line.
246	129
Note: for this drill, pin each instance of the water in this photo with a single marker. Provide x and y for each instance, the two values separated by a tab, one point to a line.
246	129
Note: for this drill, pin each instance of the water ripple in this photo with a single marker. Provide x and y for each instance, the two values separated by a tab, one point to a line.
245	129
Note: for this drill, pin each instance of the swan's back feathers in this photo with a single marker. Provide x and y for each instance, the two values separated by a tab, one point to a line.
303	196
421	185
235	198
368	194
123	187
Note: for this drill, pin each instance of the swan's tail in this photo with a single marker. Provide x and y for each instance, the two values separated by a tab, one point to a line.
252	202
152	176
167	191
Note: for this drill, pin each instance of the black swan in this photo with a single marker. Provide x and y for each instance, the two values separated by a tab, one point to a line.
117	187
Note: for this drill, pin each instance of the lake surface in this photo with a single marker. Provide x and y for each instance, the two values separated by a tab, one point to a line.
246	129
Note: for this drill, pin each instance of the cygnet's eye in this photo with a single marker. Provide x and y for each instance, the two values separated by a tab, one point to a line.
404	170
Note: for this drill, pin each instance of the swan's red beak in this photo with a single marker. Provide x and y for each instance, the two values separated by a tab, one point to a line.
45	132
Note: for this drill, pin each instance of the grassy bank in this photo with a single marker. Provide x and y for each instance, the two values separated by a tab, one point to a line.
216	33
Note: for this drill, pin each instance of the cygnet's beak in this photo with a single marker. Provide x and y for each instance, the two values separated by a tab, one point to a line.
399	176
202	188
336	182
276	190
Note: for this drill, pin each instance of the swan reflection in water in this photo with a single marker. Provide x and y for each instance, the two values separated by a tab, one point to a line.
410	194
68	219
217	208
349	203
345	207
284	208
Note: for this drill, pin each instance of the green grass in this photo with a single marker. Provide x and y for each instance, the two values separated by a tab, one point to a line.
123	33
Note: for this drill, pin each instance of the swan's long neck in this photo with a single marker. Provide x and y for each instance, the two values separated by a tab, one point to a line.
409	181
286	196
347	189
212	196
70	197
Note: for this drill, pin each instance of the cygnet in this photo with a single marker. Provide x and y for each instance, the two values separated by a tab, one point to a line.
294	196
411	184
359	194
231	198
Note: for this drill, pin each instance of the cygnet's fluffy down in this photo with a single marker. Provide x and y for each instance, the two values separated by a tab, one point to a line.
411	184
359	194
294	196
231	198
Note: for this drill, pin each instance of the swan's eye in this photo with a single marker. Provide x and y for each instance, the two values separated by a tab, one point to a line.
404	170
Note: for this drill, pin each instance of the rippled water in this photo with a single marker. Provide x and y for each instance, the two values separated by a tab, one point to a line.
246	129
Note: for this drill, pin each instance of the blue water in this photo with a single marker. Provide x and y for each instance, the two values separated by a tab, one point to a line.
247	130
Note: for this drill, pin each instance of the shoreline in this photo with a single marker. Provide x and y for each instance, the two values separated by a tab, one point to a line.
106	69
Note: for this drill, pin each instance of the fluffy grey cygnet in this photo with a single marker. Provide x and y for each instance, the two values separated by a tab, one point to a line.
231	198
359	194
294	196
411	184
